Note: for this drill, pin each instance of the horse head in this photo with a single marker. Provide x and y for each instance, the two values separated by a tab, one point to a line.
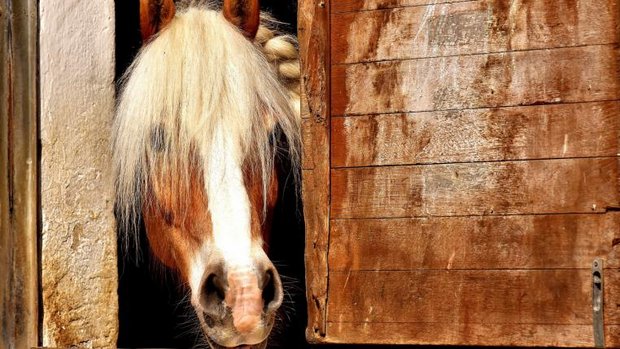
198	126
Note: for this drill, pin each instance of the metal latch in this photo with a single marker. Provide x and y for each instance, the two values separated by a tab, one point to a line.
597	303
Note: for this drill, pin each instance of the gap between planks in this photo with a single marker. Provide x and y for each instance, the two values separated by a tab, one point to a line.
476	215
474	162
482	270
455	323
507	106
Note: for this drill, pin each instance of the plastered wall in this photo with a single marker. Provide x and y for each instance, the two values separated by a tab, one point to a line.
78	247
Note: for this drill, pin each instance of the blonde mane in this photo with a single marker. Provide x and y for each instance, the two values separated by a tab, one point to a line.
200	77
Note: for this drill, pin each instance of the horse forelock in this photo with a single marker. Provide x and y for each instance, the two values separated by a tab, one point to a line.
197	83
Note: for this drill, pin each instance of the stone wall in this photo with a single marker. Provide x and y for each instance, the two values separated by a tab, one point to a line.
79	275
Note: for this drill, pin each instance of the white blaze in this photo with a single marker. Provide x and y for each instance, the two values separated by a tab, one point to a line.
229	204
230	211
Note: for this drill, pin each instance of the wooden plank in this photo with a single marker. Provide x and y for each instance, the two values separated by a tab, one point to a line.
487	334
313	32
358	5
18	175
613	259
499	242
314	135
476	81
612	336
612	296
551	297
520	187
533	132
470	28
612	293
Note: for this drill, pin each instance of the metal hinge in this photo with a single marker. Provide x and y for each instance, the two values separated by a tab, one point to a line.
597	303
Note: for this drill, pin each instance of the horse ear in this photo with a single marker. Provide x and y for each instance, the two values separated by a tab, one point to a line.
154	15
244	14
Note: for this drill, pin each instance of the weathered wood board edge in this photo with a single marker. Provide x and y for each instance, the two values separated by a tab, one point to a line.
313	34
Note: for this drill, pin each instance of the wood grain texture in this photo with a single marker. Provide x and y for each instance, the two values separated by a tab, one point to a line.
19	287
612	296
612	306
612	336
474	155
486	334
500	242
613	258
476	81
313	32
521	187
533	132
313	136
470	28
551	297
358	5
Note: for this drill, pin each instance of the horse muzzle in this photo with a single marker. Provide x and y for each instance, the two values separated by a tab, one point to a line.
237	304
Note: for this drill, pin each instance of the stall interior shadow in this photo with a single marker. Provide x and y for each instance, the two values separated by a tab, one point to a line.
153	308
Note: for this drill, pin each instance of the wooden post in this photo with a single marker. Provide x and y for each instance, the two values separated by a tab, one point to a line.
18	175
313	27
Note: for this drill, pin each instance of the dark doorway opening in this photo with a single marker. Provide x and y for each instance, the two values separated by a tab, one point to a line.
153	308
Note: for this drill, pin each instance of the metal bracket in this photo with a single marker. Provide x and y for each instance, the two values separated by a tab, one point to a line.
597	303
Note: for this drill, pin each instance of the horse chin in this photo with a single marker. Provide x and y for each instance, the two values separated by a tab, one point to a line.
214	345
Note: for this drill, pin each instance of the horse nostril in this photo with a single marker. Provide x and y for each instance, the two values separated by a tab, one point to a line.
214	289
212	295
272	290
209	321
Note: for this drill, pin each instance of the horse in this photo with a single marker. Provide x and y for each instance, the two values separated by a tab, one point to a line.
209	103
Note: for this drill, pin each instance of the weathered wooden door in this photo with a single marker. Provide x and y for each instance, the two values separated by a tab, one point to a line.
460	170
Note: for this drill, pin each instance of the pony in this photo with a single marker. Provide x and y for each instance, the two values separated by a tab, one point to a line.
210	102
